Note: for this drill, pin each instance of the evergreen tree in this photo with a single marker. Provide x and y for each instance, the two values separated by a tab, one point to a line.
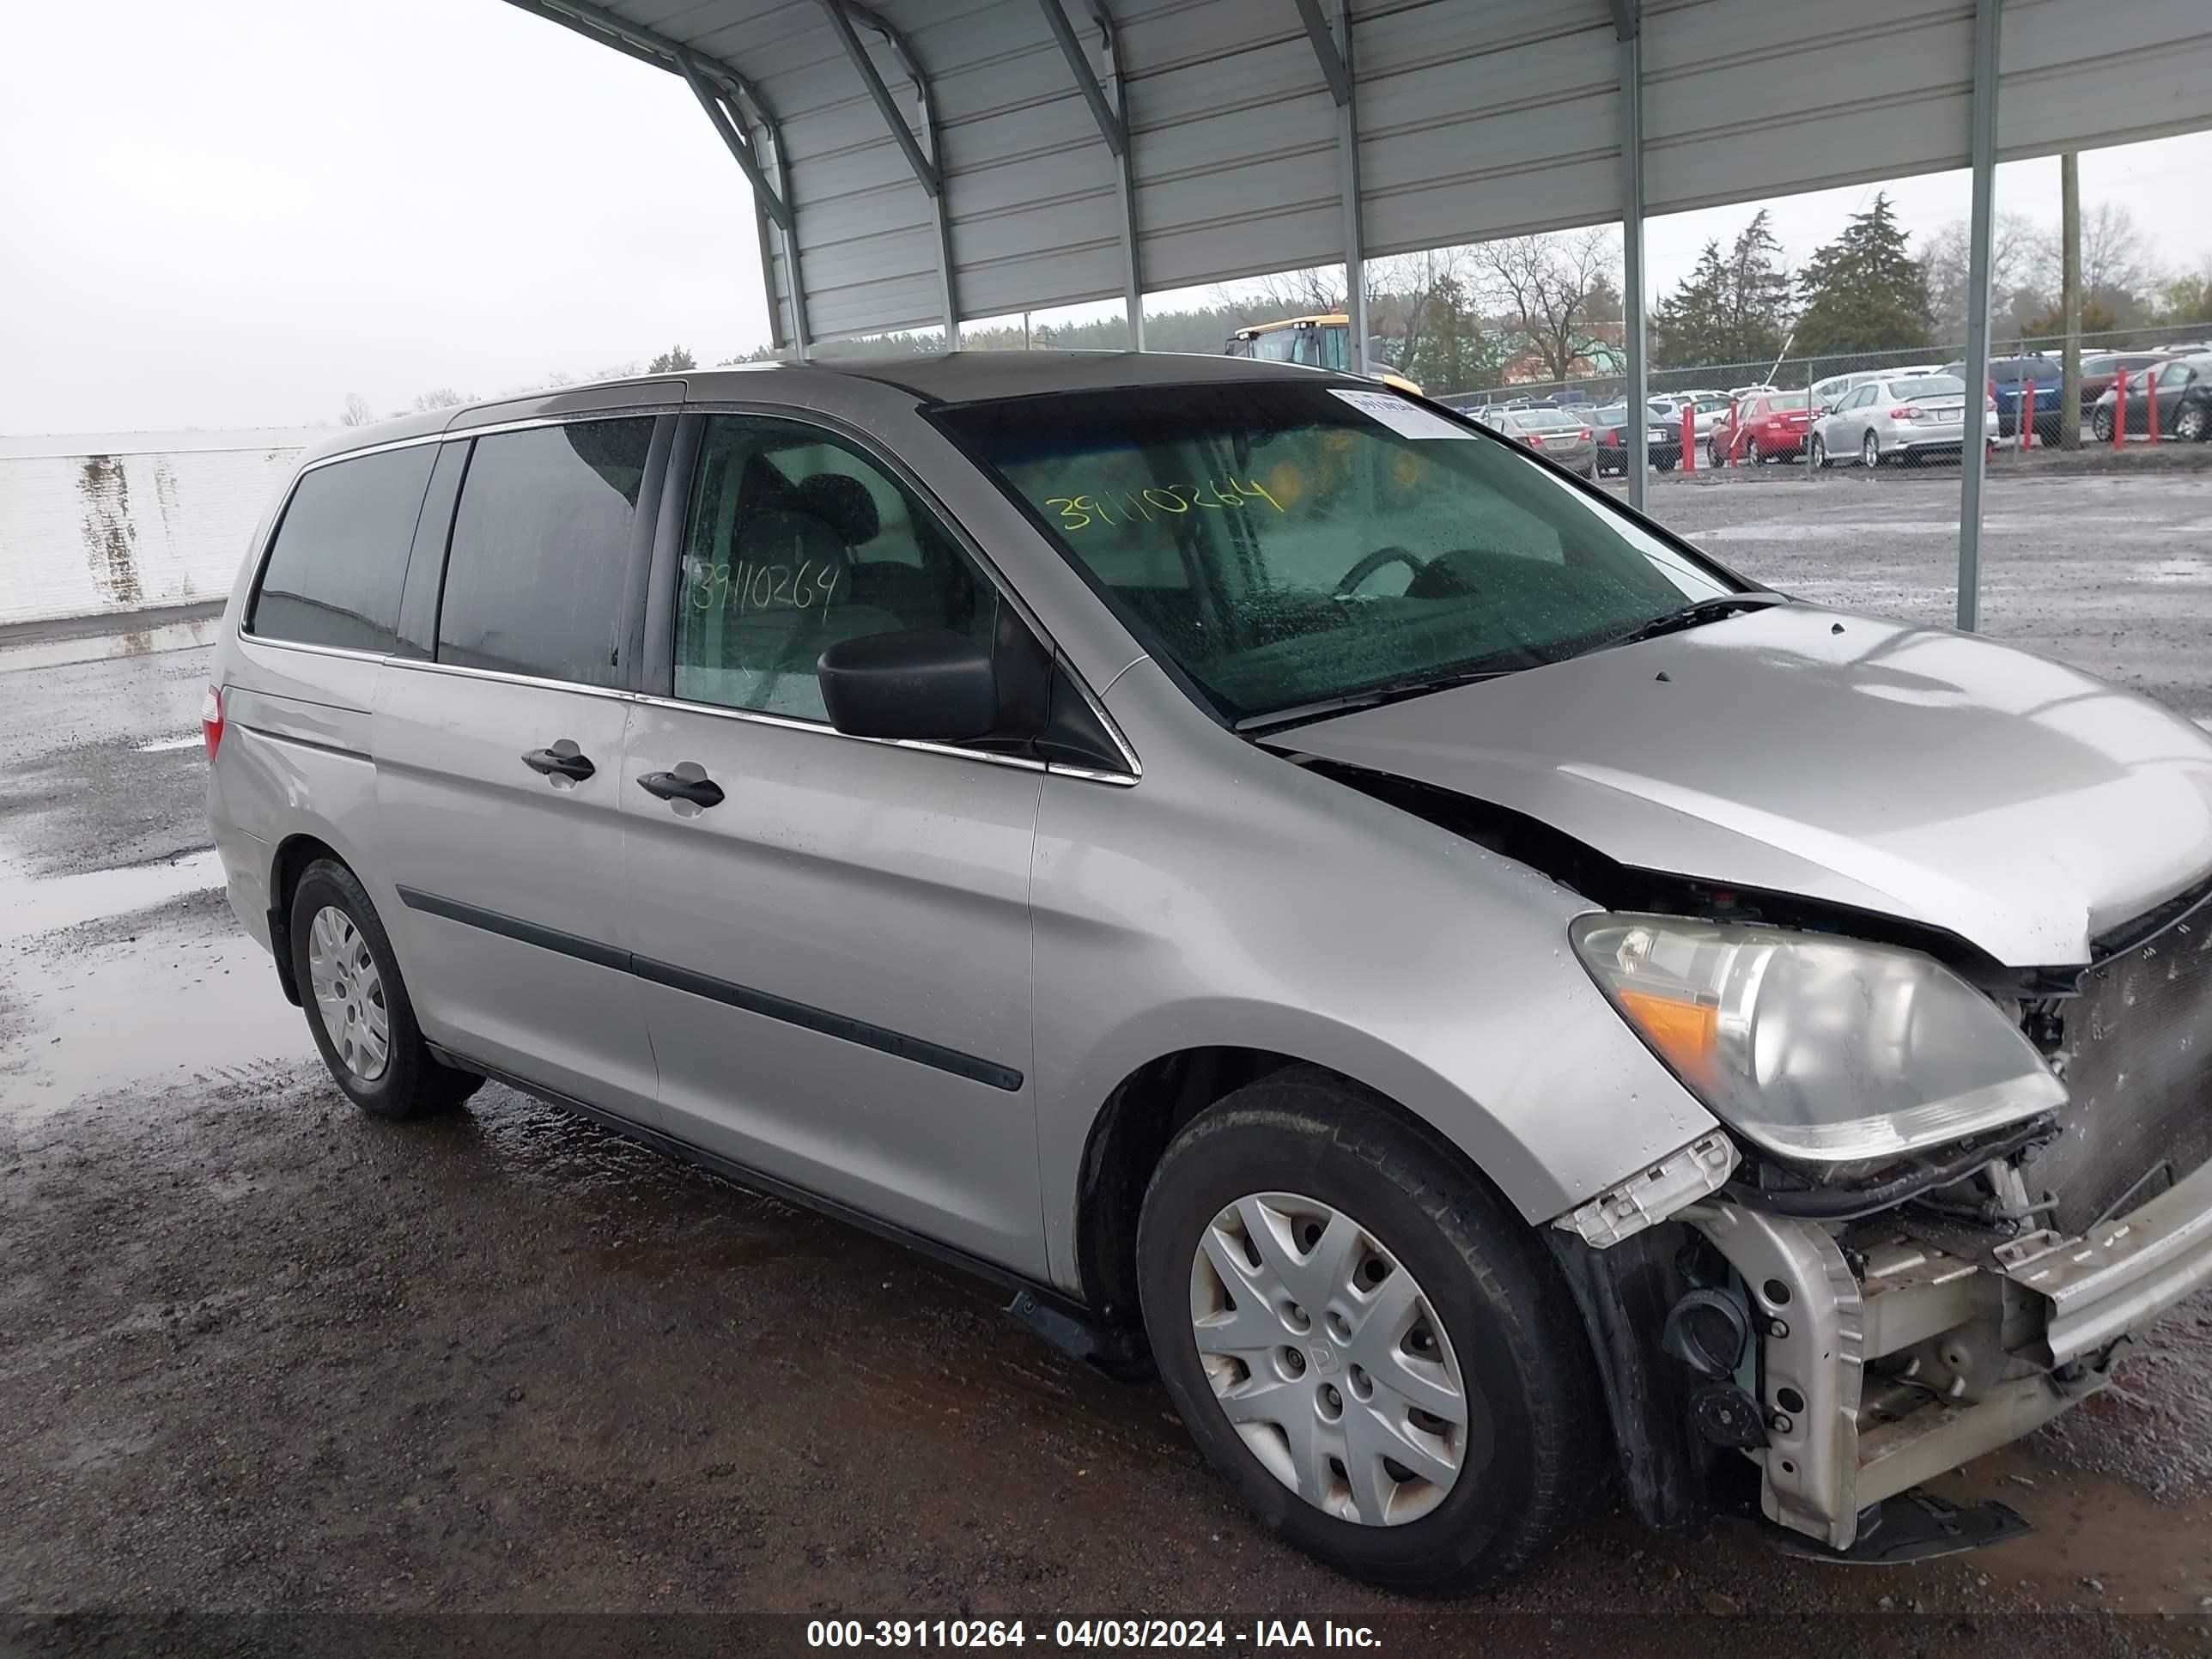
1687	322
1863	291
1758	296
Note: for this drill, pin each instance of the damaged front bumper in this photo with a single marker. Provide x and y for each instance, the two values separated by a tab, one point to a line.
1892	1350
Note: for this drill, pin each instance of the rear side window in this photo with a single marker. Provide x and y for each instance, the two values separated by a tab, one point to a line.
334	574
541	551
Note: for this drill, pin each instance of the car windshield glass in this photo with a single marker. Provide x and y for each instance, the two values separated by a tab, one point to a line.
1546	420
1928	386
1787	399
1278	545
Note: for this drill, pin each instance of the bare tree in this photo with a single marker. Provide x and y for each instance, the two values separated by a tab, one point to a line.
438	397
1316	291
357	412
1547	286
1409	285
2016	271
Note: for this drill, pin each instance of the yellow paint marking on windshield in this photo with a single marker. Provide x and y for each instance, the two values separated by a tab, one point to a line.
1081	512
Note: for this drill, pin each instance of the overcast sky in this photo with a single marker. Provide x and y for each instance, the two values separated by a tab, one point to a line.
235	212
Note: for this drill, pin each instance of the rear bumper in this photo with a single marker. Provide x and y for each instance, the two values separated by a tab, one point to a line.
1885	1367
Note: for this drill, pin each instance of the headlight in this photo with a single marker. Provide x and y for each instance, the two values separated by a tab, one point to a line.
1818	1048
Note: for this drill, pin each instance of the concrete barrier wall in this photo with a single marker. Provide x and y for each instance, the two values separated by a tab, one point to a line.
125	522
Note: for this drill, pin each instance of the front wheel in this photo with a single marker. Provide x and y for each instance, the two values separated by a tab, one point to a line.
1365	1341
356	1003
1819	453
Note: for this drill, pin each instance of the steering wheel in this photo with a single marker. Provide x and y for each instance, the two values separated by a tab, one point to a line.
1349	582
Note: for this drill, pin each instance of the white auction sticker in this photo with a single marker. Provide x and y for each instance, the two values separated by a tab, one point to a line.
1406	420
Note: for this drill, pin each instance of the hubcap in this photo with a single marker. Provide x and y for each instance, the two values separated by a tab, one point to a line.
1329	1362
349	992
1870	452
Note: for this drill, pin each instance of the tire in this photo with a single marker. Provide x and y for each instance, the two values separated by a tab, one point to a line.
2192	425
407	1082
2100	424
1713	453
1870	455
1819	453
1533	1446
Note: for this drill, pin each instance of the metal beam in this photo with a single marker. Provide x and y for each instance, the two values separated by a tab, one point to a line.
1635	434
1983	151
1109	109
840	22
740	147
1333	69
1333	50
1111	127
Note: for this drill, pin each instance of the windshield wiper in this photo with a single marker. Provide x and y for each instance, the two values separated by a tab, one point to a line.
1713	609
1414	685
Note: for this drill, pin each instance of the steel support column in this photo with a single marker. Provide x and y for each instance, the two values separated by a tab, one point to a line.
921	152
1109	113
1635	436
1333	48
1984	151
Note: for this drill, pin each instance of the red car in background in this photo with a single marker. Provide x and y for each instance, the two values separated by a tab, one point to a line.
1764	427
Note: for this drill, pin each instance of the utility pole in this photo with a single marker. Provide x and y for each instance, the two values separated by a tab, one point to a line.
2070	216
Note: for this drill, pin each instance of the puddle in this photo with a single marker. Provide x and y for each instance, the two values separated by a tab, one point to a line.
160	1011
30	906
101	648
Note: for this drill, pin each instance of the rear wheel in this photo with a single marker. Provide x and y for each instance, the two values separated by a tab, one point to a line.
2191	425
1871	451
357	1005
1363	1342
2101	424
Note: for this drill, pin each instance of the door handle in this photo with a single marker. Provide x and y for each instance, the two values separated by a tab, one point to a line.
563	760
689	784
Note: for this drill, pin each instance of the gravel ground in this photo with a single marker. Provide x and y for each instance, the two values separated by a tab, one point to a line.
276	1377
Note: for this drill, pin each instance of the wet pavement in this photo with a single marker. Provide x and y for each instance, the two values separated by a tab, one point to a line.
260	1352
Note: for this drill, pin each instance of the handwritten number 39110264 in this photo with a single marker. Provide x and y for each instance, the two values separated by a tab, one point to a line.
1166	501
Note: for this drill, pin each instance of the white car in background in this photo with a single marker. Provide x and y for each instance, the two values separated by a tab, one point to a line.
1896	415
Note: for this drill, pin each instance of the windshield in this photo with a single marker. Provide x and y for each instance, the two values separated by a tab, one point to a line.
1928	386
1278	545
1546	420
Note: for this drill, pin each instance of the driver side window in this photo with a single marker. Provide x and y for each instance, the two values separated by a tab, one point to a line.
794	541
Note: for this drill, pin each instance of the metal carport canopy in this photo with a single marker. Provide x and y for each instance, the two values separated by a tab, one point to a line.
922	161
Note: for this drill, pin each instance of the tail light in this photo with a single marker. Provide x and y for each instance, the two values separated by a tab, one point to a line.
1535	440
1908	412
211	719
1582	437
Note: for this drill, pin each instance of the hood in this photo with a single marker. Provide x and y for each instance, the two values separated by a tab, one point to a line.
1916	772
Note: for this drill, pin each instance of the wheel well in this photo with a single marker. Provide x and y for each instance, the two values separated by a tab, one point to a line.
294	854
1145	1113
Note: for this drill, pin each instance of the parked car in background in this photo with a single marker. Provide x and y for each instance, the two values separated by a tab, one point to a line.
1764	427
1564	438
2183	389
1828	393
1896	417
1610	424
2100	369
2008	375
1743	391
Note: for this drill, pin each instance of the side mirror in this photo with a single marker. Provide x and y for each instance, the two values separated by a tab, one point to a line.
926	683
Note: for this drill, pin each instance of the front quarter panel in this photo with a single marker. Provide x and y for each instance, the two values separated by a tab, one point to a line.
1231	897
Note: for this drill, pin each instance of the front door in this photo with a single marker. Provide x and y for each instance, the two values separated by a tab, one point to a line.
500	768
832	934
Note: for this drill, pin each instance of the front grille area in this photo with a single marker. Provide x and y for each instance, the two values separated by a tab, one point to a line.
2139	1066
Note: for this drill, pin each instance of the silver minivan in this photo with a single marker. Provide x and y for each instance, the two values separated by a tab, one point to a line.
1313	898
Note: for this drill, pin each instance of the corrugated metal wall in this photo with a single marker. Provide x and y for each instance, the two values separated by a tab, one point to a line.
1477	119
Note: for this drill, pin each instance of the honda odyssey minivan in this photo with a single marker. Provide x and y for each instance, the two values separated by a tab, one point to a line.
1485	1000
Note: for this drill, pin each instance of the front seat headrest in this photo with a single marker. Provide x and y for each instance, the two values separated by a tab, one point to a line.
843	503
